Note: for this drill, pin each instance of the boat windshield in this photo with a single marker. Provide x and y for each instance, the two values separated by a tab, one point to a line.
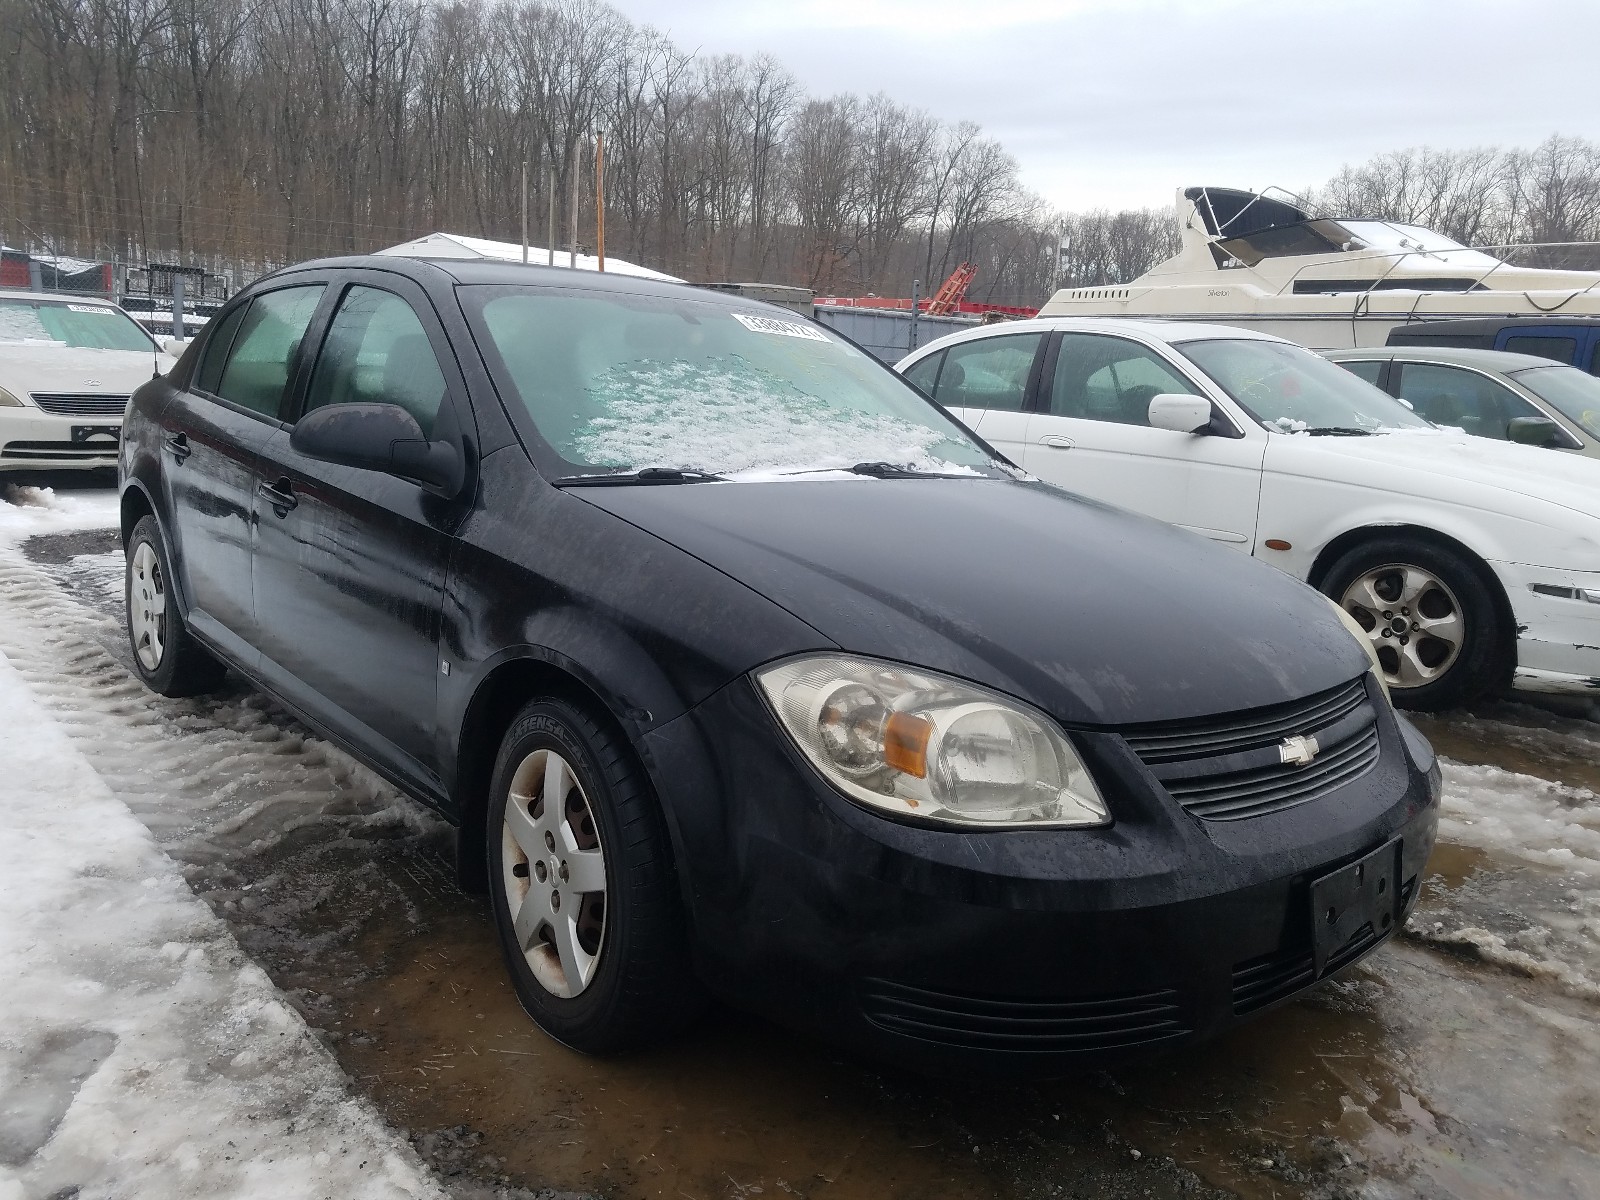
619	384
1288	389
69	325
1573	393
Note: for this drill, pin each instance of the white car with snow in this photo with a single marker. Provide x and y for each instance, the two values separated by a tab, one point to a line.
67	368
1470	563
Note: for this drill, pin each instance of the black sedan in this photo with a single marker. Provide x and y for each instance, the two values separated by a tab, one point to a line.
745	670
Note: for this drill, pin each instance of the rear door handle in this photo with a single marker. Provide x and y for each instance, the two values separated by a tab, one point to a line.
280	495
178	443
1057	441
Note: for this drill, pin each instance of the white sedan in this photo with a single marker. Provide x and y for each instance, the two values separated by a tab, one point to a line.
67	368
1470	563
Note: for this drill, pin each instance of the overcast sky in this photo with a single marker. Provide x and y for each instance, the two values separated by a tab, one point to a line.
1119	102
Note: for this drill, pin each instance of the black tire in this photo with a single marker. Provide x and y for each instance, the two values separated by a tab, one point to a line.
1481	662
184	667
643	988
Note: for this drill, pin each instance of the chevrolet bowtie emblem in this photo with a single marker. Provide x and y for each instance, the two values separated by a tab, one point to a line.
1298	750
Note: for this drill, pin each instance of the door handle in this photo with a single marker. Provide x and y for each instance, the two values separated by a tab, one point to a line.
1057	441
280	495
178	443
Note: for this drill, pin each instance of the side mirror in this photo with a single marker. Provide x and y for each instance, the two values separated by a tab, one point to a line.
1534	431
175	346
1181	414
379	437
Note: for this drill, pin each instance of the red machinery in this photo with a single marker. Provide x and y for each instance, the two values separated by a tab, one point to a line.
950	299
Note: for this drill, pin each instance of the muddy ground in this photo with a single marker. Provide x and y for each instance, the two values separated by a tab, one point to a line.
1461	1060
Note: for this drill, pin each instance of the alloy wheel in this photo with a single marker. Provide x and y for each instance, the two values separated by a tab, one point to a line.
554	873
1413	619
147	606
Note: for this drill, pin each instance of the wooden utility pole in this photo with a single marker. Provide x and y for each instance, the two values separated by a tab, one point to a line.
524	212
550	220
600	197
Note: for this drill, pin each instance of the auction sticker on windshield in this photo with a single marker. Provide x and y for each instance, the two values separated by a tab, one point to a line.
88	308
781	328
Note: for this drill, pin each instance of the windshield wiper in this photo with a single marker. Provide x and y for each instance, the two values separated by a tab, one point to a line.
646	475
888	470
1338	431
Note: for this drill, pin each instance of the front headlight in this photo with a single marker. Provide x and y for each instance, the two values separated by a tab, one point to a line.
925	747
9	399
1360	634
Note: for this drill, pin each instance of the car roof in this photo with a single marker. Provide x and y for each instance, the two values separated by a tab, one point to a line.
1459	356
1151	329
1488	326
480	271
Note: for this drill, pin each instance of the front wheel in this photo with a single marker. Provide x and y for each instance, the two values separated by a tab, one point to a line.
581	880
1430	617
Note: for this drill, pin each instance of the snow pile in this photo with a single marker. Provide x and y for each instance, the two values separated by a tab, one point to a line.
26	511
738	418
140	1053
1534	819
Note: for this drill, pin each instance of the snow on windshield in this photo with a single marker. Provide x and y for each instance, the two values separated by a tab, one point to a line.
68	324
620	382
736	417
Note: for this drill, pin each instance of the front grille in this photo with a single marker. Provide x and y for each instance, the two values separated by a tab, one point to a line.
1268	979
1049	1026
60	451
1229	768
81	404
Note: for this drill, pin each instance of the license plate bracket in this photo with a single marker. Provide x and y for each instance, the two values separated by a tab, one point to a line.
86	433
1356	905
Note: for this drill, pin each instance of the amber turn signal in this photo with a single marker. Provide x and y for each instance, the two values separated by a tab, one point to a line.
905	743
1277	544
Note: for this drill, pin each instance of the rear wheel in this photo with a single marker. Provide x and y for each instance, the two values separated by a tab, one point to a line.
581	880
165	654
1430	617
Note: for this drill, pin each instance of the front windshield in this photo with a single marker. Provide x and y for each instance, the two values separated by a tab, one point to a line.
1388	236
1291	390
619	383
69	325
1575	394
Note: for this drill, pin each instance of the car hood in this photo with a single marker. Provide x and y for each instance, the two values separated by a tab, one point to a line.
25	369
1097	615
1444	464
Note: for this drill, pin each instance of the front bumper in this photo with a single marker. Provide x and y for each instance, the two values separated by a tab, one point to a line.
31	440
1012	951
1558	637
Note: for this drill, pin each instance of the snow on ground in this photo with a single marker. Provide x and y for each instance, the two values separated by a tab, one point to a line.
1532	819
141	1052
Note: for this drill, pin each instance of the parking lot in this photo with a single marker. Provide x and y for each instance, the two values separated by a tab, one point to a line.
1457	1061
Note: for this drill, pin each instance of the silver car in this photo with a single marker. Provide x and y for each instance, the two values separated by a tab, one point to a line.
1489	393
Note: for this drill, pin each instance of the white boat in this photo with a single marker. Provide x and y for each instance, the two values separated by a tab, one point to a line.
1266	264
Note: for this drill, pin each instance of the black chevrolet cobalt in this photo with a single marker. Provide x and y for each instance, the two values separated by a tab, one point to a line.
745	671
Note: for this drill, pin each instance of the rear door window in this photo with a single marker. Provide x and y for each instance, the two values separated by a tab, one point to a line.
265	347
215	355
377	352
1370	370
925	373
991	374
1558	349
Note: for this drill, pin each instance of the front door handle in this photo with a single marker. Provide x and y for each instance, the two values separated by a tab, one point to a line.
280	495
1057	441
178	443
